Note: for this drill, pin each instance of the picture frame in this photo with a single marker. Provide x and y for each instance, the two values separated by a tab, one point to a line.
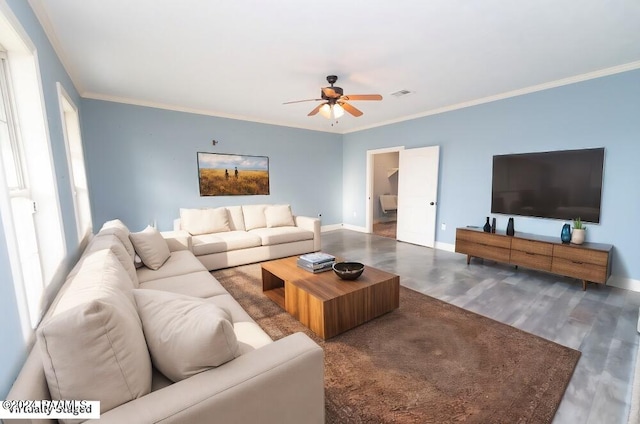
224	174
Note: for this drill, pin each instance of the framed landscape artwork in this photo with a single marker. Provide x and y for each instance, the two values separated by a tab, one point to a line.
222	174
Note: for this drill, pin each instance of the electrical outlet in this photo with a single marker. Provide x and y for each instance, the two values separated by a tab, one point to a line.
319	215
354	214
443	226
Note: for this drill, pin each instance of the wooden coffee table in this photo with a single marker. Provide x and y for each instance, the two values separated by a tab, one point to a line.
325	303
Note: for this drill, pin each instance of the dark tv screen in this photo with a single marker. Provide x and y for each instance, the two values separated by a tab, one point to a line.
564	184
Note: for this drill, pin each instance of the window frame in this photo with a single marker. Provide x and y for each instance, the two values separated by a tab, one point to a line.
84	225
40	179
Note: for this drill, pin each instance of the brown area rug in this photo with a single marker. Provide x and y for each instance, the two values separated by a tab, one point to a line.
426	362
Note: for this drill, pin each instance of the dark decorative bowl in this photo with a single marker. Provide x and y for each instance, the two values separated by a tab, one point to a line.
348	270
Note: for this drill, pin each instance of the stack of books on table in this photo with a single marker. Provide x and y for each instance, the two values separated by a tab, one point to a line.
316	262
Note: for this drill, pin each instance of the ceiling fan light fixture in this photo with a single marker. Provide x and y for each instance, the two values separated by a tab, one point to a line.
325	110
334	111
338	111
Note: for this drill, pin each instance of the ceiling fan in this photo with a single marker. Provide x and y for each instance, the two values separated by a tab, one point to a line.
335	101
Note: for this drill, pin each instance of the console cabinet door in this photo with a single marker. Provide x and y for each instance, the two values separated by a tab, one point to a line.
585	264
531	254
483	245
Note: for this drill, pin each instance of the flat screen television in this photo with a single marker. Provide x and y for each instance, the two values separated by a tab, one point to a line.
564	184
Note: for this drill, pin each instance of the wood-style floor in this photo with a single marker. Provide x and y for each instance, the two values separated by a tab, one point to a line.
600	322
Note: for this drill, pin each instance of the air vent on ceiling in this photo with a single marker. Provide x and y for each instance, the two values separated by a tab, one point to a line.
401	93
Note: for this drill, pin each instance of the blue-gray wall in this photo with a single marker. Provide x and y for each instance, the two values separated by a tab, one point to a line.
142	163
12	341
603	112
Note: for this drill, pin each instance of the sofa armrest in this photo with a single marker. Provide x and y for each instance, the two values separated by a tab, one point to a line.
310	224
282	382
178	240
31	384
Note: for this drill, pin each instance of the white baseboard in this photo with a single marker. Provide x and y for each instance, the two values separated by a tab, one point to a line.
445	246
354	228
624	283
331	227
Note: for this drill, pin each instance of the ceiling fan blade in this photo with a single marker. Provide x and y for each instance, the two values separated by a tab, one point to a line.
362	97
352	110
315	110
330	93
300	101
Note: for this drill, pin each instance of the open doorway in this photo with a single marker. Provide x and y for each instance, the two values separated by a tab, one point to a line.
382	191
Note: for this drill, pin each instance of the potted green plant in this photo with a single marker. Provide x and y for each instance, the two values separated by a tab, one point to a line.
577	235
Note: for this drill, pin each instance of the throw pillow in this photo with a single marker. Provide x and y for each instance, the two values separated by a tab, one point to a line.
254	216
151	247
109	241
118	229
236	219
115	223
204	221
96	350
186	335
279	216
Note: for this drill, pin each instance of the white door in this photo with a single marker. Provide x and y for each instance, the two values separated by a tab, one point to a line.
417	195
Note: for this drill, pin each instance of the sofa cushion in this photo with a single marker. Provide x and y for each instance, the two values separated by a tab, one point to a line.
279	216
236	218
279	235
186	335
229	304
96	350
249	334
110	241
179	263
98	273
254	216
224	242
198	284
118	229
151	247
204	221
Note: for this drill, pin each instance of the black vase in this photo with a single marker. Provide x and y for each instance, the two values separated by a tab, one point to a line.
493	225
487	226
565	234
510	230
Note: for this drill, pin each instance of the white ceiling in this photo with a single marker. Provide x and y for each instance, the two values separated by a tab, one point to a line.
244	58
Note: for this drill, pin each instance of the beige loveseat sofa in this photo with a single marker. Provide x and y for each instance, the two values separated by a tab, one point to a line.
165	343
236	235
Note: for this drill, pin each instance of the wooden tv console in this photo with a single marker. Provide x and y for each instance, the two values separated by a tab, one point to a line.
589	262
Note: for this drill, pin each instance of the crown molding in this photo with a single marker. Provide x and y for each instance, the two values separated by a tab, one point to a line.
514	93
527	90
206	112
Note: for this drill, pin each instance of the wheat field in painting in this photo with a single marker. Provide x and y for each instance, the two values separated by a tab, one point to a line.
213	182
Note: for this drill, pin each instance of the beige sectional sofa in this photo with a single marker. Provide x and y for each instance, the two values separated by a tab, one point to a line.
236	235
165	343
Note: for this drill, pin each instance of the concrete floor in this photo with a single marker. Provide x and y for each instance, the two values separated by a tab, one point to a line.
600	322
